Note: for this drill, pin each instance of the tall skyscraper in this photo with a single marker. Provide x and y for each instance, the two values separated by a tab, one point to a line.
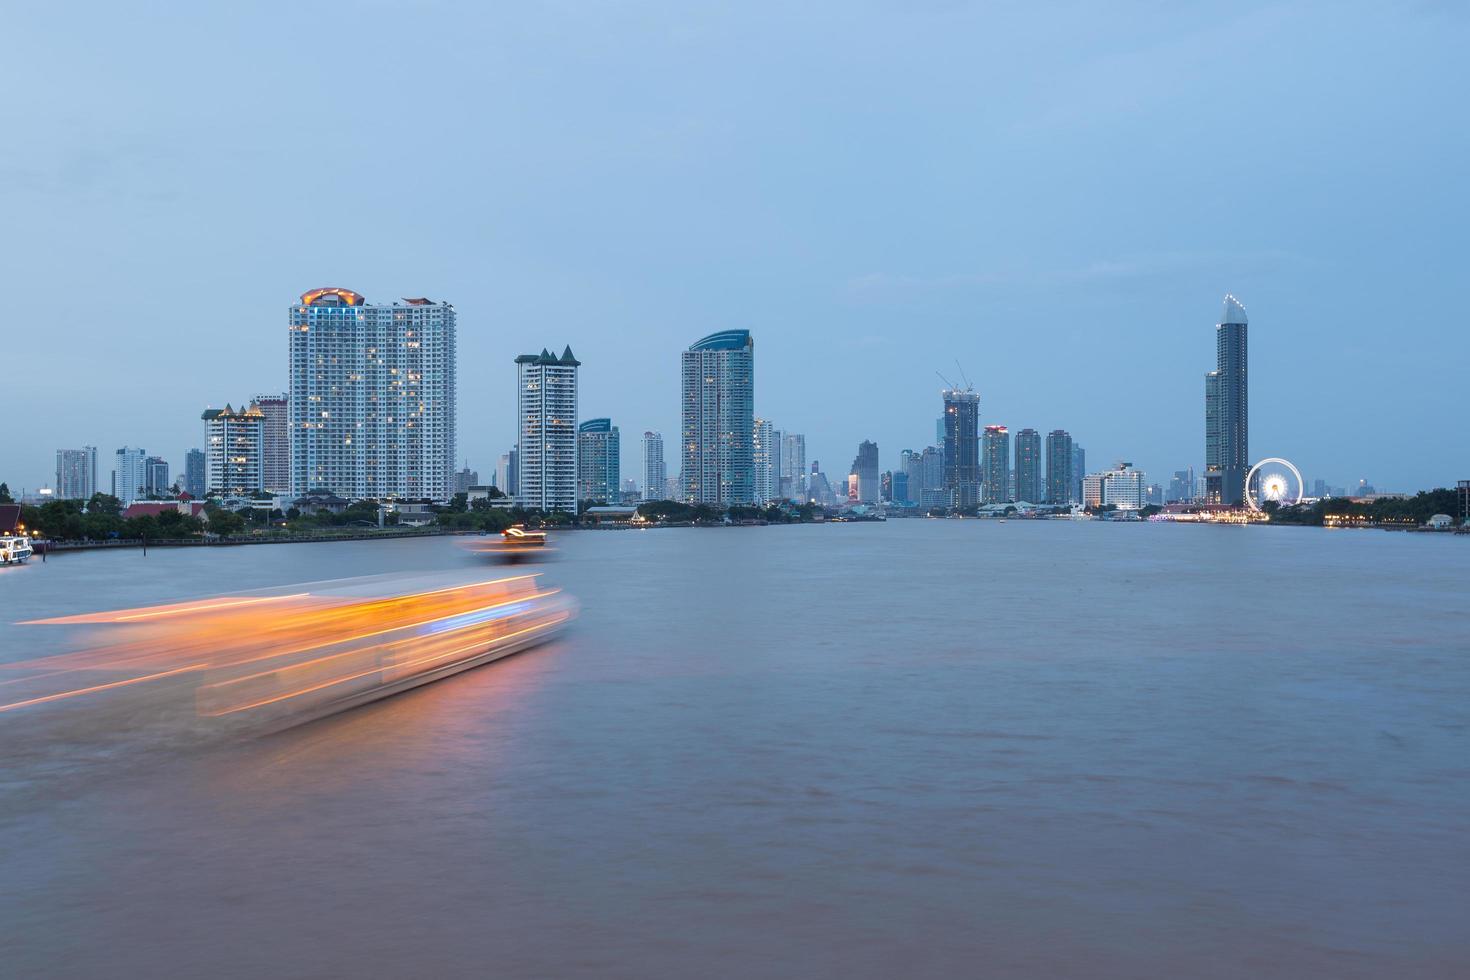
546	394
372	399
719	419
961	445
466	478
599	461
129	474
1029	486
1079	470
996	480
865	468
655	473
156	481
1059	481
236	441
275	460
76	473
1181	487
512	486
196	473
793	466
1227	414
765	459
935	486
500	478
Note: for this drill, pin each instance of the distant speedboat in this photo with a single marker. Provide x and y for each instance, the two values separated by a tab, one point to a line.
14	549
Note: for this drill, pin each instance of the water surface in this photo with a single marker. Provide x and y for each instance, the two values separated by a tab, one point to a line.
918	749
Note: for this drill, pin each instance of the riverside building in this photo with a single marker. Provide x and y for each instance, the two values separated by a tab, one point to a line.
599	468
718	419
372	397
959	448
1060	483
196	482
1227	415
129	474
1122	486
76	473
1028	467
655	473
997	474
275	460
236	449
765	459
545	460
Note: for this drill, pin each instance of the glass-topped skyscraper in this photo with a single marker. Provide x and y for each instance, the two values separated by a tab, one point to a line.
961	447
1227	415
718	396
599	461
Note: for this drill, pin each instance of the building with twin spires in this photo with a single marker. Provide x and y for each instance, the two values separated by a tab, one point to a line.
546	408
372	397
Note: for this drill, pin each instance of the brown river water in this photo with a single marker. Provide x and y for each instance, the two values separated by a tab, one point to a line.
919	749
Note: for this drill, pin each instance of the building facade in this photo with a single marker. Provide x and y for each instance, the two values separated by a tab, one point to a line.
1122	486
76	473
1079	470
865	468
129	474
236	450
655	473
996	476
1029	484
275	460
156	482
372	397
546	455
719	419
1227	410
960	447
1059	481
792	483
599	466
196	473
766	459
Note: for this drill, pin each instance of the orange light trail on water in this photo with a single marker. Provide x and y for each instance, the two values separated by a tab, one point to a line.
218	637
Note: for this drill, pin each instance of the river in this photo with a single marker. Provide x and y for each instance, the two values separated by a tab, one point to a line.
919	749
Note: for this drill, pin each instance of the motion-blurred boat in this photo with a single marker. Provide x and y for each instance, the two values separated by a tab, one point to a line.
283	659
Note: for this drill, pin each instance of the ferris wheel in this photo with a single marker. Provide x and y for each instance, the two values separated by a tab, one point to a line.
1273	479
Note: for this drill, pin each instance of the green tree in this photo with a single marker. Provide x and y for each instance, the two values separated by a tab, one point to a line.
104	503
5	497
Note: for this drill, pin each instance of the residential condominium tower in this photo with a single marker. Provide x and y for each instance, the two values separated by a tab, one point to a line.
546	407
155	477
275	460
129	474
1028	467
1227	415
236	442
1059	479
196	482
961	448
655	473
765	460
599	467
792	483
76	473
996	487
372	399
718	396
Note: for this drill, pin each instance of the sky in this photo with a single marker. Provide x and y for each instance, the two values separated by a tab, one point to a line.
1052	197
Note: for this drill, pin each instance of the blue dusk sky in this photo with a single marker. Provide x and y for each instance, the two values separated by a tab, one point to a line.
1057	196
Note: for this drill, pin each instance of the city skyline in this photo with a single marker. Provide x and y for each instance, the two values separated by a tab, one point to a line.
1107	246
